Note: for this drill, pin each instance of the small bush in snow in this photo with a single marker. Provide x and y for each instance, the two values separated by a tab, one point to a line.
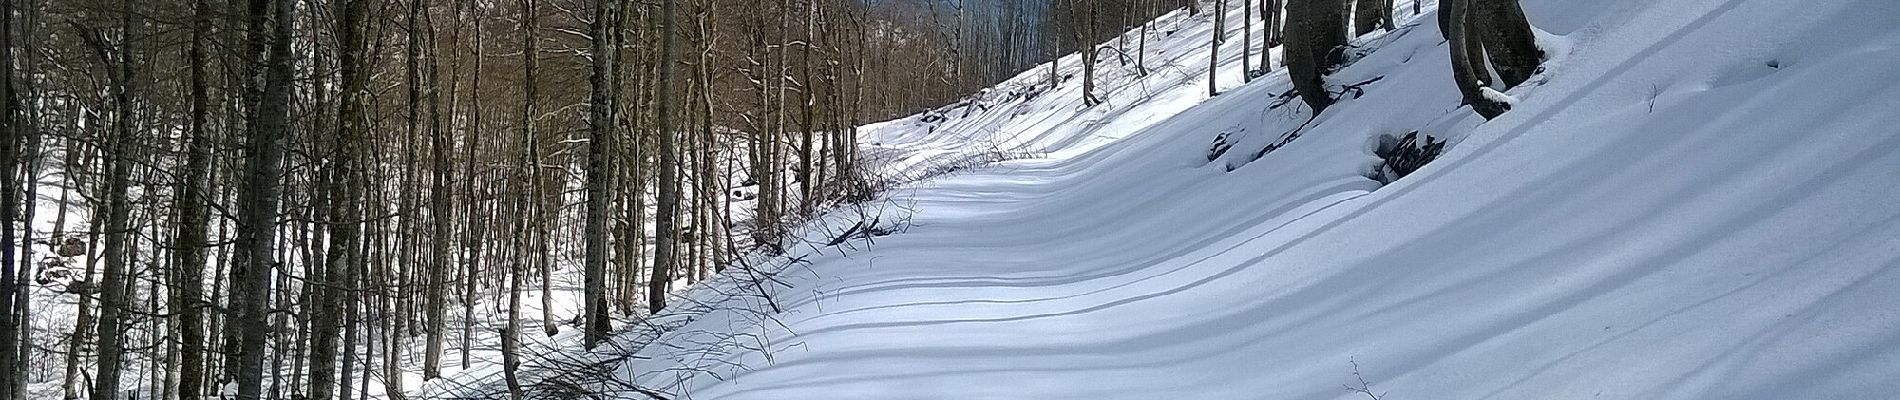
1220	146
1406	155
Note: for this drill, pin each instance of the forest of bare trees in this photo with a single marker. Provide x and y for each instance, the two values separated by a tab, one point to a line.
274	198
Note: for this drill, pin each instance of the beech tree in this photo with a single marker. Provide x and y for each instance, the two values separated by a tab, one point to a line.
1315	33
269	31
114	285
10	321
344	262
599	177
1498	29
1369	15
1220	35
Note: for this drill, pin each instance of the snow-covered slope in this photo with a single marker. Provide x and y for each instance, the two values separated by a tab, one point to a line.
1695	200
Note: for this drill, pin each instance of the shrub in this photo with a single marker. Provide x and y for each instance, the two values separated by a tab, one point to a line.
1405	155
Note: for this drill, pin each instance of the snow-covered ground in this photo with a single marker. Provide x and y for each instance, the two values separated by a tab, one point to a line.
1695	199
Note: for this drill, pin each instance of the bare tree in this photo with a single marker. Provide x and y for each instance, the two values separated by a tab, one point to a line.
440	204
1246	40
345	239
113	300
269	29
511	335
191	201
599	173
1213	62
10	322
665	254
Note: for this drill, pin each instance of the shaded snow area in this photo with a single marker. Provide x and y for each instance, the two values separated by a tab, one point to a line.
1695	199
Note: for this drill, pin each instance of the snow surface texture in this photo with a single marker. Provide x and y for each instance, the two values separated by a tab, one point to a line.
1695	200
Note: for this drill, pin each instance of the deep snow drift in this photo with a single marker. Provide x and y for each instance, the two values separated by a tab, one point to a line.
1696	199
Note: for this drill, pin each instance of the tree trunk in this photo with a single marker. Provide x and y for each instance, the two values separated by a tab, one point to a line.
806	197
1246	41
600	175
114	295
666	214
190	242
1386	9
83	324
1315	31
440	204
1087	42
1467	67
342	259
1269	14
10	321
476	227
704	72
1213	58
1367	16
1508	39
257	203
510	336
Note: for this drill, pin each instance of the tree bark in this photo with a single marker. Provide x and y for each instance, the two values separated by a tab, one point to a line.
1368	15
436	303
1466	67
600	175
666	214
476	226
1213	58
1508	39
510	336
191	200
1315	31
1087	42
1269	16
1246	40
342	259
270	35
114	296
10	321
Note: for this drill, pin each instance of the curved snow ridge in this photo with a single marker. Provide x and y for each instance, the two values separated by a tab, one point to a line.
1695	200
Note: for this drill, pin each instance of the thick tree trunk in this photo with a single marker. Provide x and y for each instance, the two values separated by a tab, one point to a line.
1508	39
257	202
1467	67
1368	15
1315	30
